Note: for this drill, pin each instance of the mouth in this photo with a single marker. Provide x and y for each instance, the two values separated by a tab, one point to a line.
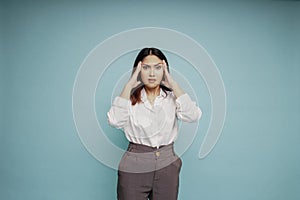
151	80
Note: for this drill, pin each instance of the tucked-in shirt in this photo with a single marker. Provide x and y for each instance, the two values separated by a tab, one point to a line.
153	125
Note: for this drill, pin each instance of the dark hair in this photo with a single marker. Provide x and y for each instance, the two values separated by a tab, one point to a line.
135	96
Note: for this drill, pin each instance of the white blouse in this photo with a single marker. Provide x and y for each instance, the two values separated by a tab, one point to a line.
153	125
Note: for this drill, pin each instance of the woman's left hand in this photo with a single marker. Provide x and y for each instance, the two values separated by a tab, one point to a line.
170	82
168	79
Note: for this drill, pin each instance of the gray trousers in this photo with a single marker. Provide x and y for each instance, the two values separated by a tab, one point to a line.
148	173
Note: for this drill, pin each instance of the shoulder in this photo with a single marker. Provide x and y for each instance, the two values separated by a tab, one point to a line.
168	96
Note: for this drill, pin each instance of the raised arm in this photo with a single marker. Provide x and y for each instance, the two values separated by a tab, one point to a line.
171	83
186	109
132	83
118	115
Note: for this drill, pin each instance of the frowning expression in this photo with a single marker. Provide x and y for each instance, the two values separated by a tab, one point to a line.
152	71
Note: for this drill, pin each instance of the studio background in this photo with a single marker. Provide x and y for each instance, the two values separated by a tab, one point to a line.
256	46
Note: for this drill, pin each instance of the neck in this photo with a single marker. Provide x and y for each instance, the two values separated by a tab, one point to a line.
152	91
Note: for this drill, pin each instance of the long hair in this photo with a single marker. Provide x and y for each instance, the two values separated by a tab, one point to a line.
135	96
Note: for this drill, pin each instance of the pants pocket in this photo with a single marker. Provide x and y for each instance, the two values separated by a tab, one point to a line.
123	161
177	163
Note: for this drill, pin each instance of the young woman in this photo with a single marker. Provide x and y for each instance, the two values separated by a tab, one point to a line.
147	110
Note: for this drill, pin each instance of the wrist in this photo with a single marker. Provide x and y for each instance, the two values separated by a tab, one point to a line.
174	86
177	90
128	86
126	91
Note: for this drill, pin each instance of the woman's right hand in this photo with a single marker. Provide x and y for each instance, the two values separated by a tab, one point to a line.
133	82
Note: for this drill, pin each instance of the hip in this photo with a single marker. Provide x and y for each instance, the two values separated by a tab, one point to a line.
142	159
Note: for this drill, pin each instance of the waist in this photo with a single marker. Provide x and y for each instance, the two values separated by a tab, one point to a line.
148	152
146	148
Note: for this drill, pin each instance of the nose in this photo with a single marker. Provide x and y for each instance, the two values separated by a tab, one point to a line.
151	72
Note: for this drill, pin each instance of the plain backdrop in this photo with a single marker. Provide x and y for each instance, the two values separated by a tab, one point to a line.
255	44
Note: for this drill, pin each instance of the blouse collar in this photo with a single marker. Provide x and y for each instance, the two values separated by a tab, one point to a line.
144	95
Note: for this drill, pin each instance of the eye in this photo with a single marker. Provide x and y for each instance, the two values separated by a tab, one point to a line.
145	67
158	67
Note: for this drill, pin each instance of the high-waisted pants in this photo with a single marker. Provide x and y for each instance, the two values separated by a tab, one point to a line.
148	173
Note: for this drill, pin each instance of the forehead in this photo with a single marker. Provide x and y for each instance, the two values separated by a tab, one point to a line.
151	60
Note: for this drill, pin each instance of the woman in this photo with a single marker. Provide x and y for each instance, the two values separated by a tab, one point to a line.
147	110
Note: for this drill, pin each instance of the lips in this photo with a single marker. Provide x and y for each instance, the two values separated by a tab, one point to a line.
151	80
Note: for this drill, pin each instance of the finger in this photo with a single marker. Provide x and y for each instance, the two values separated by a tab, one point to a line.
166	72
137	69
164	63
165	67
139	65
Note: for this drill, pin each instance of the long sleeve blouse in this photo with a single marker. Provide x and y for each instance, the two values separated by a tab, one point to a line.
154	125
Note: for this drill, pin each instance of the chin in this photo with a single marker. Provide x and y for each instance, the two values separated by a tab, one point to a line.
152	86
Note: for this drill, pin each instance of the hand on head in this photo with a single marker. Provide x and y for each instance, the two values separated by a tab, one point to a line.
168	79
133	81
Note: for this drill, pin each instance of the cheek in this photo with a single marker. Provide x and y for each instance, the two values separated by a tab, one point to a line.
160	75
144	76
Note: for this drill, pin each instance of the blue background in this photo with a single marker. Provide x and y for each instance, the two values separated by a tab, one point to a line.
256	46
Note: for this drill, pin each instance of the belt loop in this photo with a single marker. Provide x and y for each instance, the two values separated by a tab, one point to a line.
173	149
130	146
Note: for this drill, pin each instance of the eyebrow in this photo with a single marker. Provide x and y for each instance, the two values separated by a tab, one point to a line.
153	65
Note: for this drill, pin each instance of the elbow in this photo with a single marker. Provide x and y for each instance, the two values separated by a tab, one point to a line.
195	117
114	122
198	114
111	121
192	116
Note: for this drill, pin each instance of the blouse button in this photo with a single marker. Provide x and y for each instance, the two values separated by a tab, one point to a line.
157	153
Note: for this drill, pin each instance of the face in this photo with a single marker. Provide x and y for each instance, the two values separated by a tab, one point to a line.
152	71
